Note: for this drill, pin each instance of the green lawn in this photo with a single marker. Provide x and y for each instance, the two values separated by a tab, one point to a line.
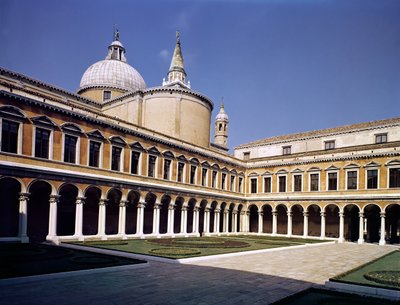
373	271
197	246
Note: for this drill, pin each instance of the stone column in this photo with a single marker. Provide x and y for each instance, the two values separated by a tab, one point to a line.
206	228
102	218
23	217
235	220
361	228
171	218
274	222
289	223
122	218
305	224
247	218
184	220
260	222
382	239
226	221
216	220
323	215
196	215
53	218
341	227
140	218
156	218
241	222
80	201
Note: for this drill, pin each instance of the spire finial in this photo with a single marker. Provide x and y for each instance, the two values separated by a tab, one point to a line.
222	102
178	37
116	33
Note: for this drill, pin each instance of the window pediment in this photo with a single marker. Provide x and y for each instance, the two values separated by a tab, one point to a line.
393	163
12	112
314	169
297	171
43	120
253	174
351	165
194	161
282	171
332	168
117	140
136	146
153	151
267	173
182	158
96	134
205	164
372	164
72	128
215	166
224	169
233	172
168	154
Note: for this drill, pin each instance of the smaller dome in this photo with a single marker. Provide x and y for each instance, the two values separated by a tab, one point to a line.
222	116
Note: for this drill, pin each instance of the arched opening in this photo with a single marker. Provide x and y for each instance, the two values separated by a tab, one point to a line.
202	208
38	211
131	212
9	207
221	217
253	224
282	219
190	212
373	223
148	213
393	223
314	220
297	220
66	210
332	221
240	217
231	224
212	215
90	216
351	222
178	214
165	201
267	218
112	211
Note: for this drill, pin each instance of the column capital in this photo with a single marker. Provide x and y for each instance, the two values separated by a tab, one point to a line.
217	210
260	213
80	200
306	214
289	213
157	206
323	214
123	203
196	209
23	196
184	208
226	212
234	212
341	214
361	214
54	198
141	205
207	210
383	214
171	206
103	201
274	213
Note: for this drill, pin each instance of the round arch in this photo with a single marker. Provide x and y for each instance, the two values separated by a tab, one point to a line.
266	209
372	222
351	222
331	220
314	220
90	217
114	196
281	210
9	206
66	209
297	219
148	213
131	211
392	223
253	218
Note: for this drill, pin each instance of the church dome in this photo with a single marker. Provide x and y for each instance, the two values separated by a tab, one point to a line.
222	115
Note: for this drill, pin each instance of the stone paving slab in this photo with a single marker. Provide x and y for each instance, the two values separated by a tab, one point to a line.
249	279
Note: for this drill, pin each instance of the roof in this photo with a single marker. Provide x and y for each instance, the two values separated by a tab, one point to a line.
322	132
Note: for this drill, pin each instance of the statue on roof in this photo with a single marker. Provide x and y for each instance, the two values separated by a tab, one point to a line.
116	34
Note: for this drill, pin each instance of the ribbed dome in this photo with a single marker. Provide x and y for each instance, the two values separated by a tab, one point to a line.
112	73
222	116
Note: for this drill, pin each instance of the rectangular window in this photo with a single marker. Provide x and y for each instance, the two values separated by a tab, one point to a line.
297	183
286	150
106	95
94	153
152	166
9	136
232	183
246	155
116	158
372	179
332	181
181	167
394	177
282	184
135	155
329	145
42	141
223	181
214	179
352	180
253	185
203	176
314	182
167	166
192	174
70	148
240	184
267	184
381	138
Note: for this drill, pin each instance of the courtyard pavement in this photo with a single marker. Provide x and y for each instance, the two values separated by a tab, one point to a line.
260	278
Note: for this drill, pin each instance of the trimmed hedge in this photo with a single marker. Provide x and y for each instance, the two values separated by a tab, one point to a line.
199	243
174	252
384	277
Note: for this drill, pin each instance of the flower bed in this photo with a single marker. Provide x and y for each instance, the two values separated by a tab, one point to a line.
199	242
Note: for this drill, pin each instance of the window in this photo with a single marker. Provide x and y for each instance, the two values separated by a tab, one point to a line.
297	183
106	95
240	184
70	143
232	188
214	179
152	166
246	155
204	176
267	184
181	167
332	181
329	144
352	180
9	136
94	153
135	155
381	138
372	179
282	183
394	177
42	142
286	150
192	174
223	181
253	185
116	158
314	182
167	167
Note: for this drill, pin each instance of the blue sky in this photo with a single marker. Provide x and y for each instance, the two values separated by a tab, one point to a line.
282	66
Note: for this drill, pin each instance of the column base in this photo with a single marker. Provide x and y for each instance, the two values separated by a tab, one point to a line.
24	239
322	237
382	242
341	240
305	236
360	241
54	239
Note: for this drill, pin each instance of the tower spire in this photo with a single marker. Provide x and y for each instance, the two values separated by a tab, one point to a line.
177	74
221	126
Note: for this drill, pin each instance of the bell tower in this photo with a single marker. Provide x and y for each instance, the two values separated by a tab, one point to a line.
221	127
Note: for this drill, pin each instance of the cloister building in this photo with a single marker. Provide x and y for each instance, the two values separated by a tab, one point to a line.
119	160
